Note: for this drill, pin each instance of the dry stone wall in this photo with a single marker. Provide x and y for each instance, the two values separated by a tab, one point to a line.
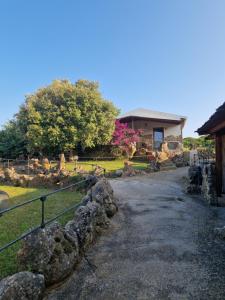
52	253
202	180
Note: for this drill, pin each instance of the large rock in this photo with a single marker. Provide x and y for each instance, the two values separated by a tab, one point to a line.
91	181
4	201
22	286
50	252
11	176
88	222
102	193
119	173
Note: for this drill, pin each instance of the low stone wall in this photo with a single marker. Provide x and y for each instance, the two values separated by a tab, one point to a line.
202	180
52	254
11	177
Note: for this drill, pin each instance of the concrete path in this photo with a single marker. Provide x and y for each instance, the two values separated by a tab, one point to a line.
161	246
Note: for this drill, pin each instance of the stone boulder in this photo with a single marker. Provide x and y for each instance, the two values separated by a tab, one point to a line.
11	176
118	173
50	252
10	173
23	286
102	193
91	181
88	222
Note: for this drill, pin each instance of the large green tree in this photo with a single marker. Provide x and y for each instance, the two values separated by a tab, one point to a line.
202	142
62	115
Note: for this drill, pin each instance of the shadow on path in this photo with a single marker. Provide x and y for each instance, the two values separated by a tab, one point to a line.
160	246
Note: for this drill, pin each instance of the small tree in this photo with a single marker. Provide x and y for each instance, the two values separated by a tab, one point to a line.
126	138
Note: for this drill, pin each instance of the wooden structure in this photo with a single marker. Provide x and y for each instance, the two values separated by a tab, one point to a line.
215	127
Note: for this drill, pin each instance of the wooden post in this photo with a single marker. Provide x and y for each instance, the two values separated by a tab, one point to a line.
219	171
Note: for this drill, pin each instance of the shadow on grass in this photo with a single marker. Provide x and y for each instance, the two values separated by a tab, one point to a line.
20	220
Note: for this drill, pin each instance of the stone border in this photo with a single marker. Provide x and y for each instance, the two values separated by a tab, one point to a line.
52	253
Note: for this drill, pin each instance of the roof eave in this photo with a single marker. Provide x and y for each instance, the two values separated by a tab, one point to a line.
181	120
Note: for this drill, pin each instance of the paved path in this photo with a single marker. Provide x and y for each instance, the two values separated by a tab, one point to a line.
161	246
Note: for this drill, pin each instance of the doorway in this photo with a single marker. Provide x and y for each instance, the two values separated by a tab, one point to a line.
158	138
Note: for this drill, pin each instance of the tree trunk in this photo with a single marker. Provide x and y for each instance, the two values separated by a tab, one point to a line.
71	156
62	161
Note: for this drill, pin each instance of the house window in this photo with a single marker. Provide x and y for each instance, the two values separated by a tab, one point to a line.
158	137
172	145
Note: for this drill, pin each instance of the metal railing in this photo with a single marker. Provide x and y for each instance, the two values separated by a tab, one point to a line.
43	221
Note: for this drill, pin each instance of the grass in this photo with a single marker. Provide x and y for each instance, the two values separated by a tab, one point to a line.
110	166
18	221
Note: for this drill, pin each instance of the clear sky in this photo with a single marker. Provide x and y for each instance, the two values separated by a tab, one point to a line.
162	55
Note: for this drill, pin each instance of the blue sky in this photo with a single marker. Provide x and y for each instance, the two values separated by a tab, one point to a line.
163	55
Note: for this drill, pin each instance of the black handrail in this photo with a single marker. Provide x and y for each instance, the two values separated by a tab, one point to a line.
43	199
39	198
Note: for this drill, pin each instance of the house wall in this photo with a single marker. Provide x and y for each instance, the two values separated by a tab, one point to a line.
172	132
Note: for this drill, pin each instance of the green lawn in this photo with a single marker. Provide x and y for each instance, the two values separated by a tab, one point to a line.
17	222
110	166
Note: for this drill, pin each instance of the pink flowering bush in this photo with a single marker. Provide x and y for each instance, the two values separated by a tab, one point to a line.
126	138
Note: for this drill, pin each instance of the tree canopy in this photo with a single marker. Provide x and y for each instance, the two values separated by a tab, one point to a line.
12	141
201	142
58	117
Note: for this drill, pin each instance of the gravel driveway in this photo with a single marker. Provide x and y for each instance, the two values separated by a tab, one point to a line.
160	246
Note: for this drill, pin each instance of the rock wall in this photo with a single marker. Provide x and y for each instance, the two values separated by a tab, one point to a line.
202	180
54	252
209	184
10	176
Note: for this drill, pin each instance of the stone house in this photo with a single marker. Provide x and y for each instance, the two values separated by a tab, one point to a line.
157	127
215	128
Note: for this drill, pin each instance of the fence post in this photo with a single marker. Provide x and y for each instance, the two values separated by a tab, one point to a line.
43	199
8	164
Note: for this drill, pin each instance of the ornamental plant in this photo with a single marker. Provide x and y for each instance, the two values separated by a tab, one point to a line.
126	138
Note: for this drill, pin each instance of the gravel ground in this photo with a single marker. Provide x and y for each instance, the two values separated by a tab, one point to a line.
161	245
